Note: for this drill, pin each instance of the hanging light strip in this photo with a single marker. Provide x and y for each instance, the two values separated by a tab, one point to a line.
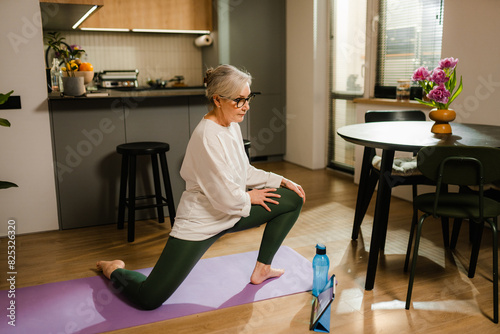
84	17
106	29
173	31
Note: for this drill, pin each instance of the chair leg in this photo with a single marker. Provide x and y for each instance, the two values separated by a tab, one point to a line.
368	181
410	239
158	197
414	191
472	231
131	199
475	249
168	188
414	220
445	227
495	269
123	192
457	224
414	261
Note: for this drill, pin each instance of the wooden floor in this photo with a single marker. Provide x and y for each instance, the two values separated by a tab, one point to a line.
444	300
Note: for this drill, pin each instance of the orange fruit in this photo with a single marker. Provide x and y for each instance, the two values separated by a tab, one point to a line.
86	67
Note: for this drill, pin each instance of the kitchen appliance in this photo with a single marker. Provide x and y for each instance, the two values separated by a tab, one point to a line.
118	79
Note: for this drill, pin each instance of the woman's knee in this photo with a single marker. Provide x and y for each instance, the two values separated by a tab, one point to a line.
291	199
151	304
153	298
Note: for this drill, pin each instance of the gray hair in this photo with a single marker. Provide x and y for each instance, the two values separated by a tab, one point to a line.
225	80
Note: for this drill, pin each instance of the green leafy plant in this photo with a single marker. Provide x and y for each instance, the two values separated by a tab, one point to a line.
4	122
67	54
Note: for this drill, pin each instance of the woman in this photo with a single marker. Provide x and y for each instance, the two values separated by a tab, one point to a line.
216	201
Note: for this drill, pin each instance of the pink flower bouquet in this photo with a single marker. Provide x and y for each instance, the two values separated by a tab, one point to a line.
439	85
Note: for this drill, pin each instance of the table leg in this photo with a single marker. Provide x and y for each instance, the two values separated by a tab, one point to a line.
381	216
365	191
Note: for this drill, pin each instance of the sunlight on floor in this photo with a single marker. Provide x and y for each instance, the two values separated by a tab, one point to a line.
390	305
457	306
350	300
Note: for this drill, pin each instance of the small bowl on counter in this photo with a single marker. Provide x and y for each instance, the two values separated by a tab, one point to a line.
87	75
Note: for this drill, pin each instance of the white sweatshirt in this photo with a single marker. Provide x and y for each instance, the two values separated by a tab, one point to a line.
217	174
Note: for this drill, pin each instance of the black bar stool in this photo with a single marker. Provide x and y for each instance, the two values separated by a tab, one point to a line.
129	153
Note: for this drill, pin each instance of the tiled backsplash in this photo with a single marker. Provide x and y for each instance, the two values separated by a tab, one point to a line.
156	56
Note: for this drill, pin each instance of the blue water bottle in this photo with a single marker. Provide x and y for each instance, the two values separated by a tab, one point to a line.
321	265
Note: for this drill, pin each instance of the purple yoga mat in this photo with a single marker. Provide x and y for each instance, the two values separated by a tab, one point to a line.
91	305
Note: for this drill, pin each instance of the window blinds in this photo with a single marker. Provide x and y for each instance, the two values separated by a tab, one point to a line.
410	36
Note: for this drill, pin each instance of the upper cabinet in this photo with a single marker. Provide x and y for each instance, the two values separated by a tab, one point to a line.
152	14
64	14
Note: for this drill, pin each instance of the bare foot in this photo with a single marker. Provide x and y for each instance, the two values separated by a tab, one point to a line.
263	272
107	267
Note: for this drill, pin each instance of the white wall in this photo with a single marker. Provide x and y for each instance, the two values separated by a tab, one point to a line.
307	82
470	34
25	147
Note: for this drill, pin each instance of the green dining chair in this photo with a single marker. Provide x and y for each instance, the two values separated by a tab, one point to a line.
491	191
461	166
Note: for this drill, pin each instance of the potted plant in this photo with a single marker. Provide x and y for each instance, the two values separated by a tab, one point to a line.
4	122
55	42
71	65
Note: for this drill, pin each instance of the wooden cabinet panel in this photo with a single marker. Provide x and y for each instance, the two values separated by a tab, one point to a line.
76	2
153	14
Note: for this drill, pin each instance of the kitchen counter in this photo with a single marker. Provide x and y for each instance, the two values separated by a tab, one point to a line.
139	92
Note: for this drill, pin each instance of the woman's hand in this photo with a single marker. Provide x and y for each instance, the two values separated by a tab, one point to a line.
295	187
261	196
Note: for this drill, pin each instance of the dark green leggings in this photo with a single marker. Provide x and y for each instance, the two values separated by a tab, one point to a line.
180	256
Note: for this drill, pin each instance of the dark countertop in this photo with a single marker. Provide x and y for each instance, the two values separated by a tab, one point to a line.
119	93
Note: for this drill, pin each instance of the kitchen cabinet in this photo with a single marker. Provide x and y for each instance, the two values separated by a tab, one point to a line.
75	2
63	14
85	133
85	136
153	14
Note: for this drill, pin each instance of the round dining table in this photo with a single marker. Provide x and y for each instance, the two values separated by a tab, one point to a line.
408	136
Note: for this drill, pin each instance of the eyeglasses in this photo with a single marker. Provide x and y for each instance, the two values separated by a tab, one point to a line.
240	101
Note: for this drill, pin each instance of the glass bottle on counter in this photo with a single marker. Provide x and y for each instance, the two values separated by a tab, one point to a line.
54	75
